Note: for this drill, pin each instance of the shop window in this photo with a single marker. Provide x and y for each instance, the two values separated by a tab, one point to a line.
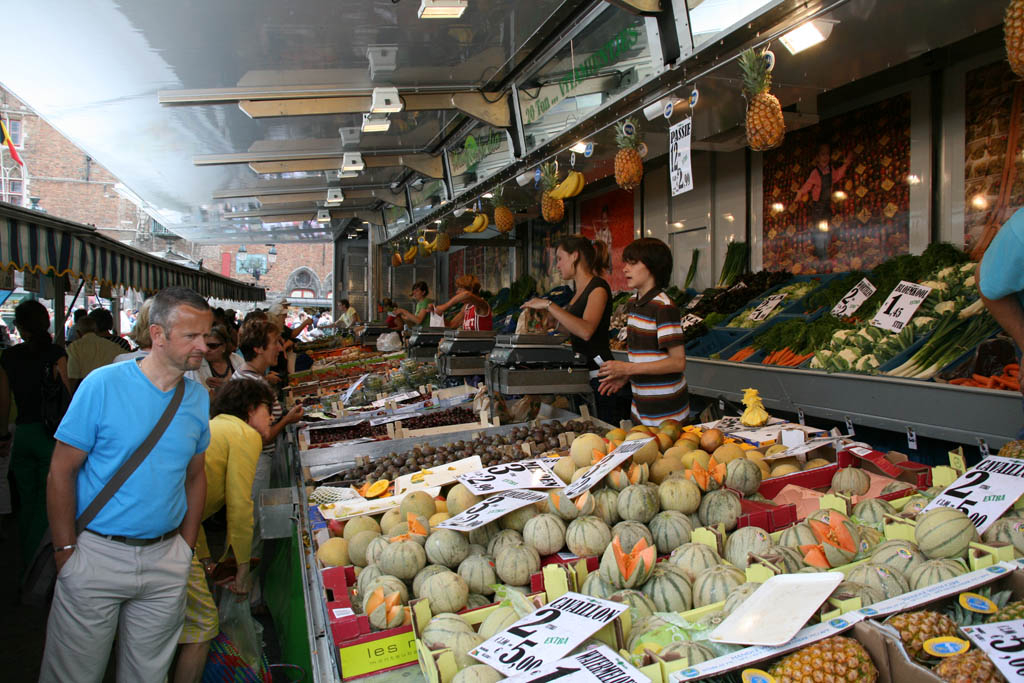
302	294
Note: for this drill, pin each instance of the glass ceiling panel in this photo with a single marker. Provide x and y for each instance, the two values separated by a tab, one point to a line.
709	18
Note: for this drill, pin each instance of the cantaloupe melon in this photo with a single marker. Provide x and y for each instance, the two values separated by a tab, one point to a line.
446	591
648	453
564	468
478	572
358	544
944	532
390	518
460	498
499	619
783	470
358	524
582	449
440	629
419	503
448	548
333	552
478	673
728	452
545	533
503	538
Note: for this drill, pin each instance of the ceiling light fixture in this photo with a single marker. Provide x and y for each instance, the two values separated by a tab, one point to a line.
385	101
807	35
352	161
778	207
488	195
580	147
335	196
383	59
242	250
323	216
442	9
376	123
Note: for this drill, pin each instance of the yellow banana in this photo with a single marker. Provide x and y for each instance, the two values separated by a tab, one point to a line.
561	191
479	223
579	182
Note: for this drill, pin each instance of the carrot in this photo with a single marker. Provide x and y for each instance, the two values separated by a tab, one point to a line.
743	354
1012	370
787	355
980	378
1004	383
962	381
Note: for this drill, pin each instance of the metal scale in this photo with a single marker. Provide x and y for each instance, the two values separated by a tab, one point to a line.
370	333
463	353
423	343
536	364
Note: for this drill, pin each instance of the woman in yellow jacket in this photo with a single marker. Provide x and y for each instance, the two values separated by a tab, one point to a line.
241	420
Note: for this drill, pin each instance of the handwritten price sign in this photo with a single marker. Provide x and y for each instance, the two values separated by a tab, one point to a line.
596	665
602	467
526	474
491	509
985	491
900	307
1004	644
765	308
853	299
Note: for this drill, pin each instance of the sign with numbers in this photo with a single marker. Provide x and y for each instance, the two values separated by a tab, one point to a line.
767	305
1003	642
689	320
491	509
352	389
901	305
525	474
596	665
602	467
853	299
985	491
680	170
547	634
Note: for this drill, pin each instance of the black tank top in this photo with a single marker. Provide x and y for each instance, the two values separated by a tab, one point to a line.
598	344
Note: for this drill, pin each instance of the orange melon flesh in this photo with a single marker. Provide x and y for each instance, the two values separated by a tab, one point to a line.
375	600
415	527
834	533
391	601
700	475
814	555
596	455
582	500
376	488
402	537
717	470
640	555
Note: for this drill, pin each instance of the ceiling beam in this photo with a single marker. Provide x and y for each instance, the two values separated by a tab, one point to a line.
395	199
640	7
421	163
287	187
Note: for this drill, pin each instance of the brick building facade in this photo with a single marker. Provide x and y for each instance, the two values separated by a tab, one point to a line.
62	180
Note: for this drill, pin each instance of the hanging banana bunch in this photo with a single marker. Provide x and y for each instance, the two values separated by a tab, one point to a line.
479	224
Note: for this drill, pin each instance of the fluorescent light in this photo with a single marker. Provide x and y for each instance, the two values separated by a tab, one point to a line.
488	195
806	35
323	216
376	123
437	222
352	161
580	147
335	195
385	101
442	9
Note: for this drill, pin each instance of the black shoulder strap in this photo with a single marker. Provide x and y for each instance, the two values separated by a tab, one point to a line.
132	463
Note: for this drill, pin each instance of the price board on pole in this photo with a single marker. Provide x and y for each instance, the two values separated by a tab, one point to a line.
602	467
596	665
1003	642
900	306
525	474
767	305
853	299
985	491
547	634
491	509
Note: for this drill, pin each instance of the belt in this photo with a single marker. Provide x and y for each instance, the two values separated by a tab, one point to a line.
135	541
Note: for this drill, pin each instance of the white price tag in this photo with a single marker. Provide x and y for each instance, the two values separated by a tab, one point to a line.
547	634
800	416
985	491
491	509
853	299
983	447
680	171
911	439
1003	642
597	665
692	304
623	334
689	320
525	474
849	427
602	467
352	389
900	307
765	308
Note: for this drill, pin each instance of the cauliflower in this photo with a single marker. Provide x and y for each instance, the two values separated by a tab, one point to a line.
923	321
946	272
945	307
867	363
969	267
849	355
970	282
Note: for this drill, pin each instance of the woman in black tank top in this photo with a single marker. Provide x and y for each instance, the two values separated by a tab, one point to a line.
587	318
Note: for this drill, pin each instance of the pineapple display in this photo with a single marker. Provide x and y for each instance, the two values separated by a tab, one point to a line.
973	666
765	125
629	166
831	660
1013	32
1011	612
504	219
553	210
917	627
965	617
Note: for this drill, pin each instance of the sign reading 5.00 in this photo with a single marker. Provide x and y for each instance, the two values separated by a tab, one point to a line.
525	474
985	491
1004	644
491	509
603	466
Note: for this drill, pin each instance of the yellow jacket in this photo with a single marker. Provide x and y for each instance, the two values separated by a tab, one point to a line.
230	468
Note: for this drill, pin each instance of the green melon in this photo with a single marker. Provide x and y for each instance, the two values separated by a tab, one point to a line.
477	673
499	619
693	652
441	628
517	519
852	481
715	583
610	572
390	519
679	494
587	536
797	535
742	543
901	557
670	529
403	559
460	499
693	558
934	571
914	505
640	606
898	486
669	588
475	601
479	574
737	595
891	582
374	549
482	535
944	532
847	590
873	510
561	505
743	475
631	532
720	507
446	547
424	574
357	525
596	587
545	533
446	591
780	559
503	538
476	549
1009	530
402	529
390	584
460	645
366	576
516	563
359	544
639	633
870	538
637	504
606	505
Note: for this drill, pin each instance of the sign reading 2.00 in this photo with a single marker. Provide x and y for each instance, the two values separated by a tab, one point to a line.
985	491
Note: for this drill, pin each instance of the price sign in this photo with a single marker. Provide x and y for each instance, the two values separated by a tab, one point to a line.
546	635
602	467
739	286
526	474
491	509
352	389
853	299
985	491
765	308
689	320
1003	642
692	304
597	665
900	307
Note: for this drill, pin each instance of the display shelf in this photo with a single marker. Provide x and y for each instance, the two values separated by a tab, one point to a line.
942	411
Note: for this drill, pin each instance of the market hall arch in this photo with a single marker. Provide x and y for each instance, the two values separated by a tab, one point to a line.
303	278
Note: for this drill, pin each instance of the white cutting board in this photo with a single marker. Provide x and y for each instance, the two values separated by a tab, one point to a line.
774	613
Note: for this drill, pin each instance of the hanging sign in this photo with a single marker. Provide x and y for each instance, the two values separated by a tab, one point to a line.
767	305
525	474
602	467
1003	642
900	307
7	278
985	491
30	281
491	509
547	634
689	320
679	170
596	665
853	299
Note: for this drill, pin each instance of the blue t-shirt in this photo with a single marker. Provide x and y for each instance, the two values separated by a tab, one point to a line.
1002	268
111	414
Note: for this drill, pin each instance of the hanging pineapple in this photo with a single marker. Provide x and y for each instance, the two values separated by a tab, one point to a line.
765	125
396	258
442	242
629	166
504	219
1013	31
553	210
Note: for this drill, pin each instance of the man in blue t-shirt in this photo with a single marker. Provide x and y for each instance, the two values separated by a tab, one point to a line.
127	573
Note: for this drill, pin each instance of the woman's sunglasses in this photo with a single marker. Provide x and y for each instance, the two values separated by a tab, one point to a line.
213	346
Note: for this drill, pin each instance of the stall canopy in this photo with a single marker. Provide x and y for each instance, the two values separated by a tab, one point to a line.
42	244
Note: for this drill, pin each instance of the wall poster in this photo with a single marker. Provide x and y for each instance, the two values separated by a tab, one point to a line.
609	218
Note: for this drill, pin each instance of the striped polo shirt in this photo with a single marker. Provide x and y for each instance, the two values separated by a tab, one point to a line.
654	328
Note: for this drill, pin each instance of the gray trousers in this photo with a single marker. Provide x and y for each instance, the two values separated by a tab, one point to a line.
107	587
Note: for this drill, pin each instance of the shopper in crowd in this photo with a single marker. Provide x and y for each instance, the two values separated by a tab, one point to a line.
325	319
127	573
349	316
22	371
475	313
71	333
89	352
278	314
657	357
219	363
421	311
588	316
393	321
139	334
241	420
104	320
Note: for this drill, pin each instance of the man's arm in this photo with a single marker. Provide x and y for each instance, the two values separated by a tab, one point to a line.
195	498
293	415
61	503
1008	313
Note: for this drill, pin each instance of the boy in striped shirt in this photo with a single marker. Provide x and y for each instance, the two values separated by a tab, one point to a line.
657	357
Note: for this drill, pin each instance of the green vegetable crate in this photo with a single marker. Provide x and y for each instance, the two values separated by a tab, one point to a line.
716	340
788	307
759	356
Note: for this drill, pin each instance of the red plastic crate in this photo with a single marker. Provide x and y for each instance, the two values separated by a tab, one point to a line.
766	516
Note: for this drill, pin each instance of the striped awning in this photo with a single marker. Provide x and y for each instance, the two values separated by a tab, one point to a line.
43	244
